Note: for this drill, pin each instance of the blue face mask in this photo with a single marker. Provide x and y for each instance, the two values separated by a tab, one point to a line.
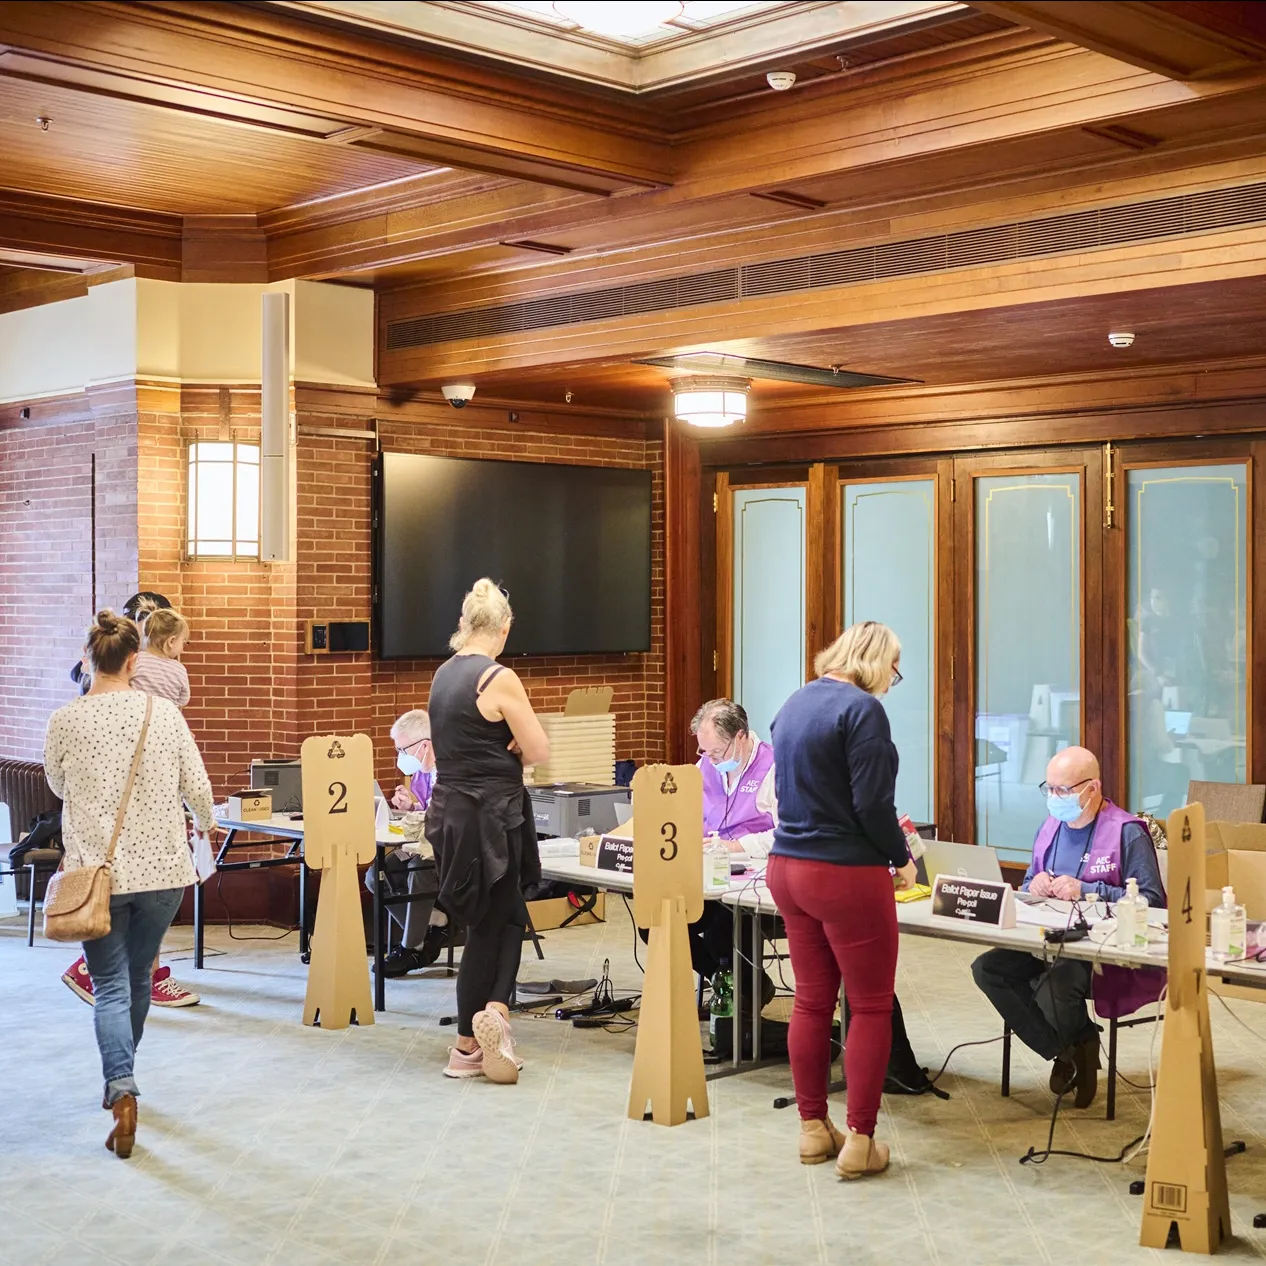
408	764
725	766
1064	808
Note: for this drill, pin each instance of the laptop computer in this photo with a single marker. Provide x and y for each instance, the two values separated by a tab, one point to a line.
968	861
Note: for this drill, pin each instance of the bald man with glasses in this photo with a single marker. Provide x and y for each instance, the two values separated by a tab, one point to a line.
1086	846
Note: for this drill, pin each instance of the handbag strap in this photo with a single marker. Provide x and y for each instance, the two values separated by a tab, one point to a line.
131	778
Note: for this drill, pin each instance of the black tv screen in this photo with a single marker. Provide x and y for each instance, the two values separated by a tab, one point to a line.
571	545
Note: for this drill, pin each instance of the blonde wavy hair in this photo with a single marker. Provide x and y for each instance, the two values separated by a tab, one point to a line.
485	612
161	627
863	654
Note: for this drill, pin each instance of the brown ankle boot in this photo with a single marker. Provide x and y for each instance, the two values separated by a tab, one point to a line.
819	1141
123	1136
860	1156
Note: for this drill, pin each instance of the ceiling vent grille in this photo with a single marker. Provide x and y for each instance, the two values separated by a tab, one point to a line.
1028	239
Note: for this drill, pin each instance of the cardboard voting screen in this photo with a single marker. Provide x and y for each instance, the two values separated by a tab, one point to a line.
338	831
1186	1168
667	841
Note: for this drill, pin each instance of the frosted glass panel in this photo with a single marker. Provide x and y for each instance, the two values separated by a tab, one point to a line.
1028	648
890	576
1188	691
769	556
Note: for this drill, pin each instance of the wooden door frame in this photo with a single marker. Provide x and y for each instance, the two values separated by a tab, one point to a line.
1209	451
1088	462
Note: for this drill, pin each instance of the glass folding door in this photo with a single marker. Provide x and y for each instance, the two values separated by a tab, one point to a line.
888	540
1026	618
767	629
1187	629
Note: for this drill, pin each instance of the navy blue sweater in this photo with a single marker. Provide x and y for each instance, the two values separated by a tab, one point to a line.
835	776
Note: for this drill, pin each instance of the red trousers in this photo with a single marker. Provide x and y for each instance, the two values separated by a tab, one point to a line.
841	922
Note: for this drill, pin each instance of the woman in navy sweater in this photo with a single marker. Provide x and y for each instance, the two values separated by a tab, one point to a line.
830	871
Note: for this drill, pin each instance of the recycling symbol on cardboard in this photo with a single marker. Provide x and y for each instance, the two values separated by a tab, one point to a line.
1186	830
336	751
668	787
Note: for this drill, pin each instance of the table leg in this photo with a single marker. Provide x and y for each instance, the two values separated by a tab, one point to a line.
736	962
758	965
305	949
380	984
1006	1061
198	916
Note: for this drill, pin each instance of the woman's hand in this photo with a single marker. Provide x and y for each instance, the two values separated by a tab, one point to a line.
906	876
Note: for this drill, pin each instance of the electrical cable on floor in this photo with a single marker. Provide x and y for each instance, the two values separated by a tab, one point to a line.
280	936
636	938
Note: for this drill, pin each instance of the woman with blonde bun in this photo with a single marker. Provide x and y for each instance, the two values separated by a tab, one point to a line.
480	824
88	757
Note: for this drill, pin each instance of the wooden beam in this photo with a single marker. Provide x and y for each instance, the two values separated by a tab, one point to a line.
1177	40
683	651
240	59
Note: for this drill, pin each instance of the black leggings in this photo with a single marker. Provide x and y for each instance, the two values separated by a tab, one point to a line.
494	946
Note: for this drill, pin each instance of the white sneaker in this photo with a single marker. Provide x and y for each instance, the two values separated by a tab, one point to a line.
492	1032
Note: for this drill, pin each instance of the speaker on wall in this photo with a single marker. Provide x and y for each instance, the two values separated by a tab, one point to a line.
276	454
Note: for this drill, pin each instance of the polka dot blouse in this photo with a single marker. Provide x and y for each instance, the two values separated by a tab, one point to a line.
87	754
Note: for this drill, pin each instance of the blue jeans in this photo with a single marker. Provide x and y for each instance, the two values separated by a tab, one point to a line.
119	964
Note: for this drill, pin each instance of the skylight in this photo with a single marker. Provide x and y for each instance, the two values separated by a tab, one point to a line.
632	23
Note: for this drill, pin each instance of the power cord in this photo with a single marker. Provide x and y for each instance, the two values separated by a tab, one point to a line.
281	936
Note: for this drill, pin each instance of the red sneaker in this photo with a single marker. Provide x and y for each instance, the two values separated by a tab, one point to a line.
165	992
78	981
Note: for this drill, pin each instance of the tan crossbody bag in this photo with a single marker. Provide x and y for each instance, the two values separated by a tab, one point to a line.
77	903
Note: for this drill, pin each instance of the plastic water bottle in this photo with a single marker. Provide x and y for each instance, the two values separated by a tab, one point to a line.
1228	928
722	1005
1131	916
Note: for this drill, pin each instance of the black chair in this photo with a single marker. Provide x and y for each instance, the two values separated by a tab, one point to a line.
39	863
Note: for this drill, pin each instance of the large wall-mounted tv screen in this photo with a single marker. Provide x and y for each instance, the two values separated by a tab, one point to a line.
571	545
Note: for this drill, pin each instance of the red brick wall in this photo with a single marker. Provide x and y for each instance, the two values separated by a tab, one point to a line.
47	540
254	693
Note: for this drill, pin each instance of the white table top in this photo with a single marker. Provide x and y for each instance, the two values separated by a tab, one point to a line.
284	827
748	892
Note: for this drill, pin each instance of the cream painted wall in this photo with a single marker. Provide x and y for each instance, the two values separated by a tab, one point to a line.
193	332
67	345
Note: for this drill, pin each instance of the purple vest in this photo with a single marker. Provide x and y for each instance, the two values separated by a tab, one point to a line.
1118	991
735	815
421	784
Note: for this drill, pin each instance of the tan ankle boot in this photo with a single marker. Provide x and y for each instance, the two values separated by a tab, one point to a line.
860	1156
819	1141
123	1136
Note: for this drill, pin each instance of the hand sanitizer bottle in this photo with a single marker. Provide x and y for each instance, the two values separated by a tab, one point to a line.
1131	916
1228	928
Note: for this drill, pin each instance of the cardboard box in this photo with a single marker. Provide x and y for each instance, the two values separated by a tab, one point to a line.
589	849
1235	854
251	806
547	915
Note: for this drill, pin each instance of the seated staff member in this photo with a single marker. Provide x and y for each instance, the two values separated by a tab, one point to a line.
423	928
1085	845
738	808
739	803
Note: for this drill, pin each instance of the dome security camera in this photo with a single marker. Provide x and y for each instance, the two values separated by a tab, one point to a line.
1121	338
458	394
780	80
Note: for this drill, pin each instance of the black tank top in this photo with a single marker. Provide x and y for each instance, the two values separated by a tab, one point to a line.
471	752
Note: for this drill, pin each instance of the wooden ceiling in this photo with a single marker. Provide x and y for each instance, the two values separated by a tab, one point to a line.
239	141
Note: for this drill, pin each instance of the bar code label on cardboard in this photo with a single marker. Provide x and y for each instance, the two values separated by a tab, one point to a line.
1169	1197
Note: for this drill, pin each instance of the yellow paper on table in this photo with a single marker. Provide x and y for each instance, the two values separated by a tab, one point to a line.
920	892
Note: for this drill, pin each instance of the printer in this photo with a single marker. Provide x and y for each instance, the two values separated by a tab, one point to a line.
567	808
284	778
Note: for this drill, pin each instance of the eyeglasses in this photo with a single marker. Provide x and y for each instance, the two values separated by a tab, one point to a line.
724	751
1047	790
897	678
400	751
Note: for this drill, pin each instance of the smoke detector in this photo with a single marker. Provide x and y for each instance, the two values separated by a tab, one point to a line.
780	80
1121	338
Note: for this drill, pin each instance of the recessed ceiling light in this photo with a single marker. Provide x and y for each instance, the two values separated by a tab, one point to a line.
619	19
1121	338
